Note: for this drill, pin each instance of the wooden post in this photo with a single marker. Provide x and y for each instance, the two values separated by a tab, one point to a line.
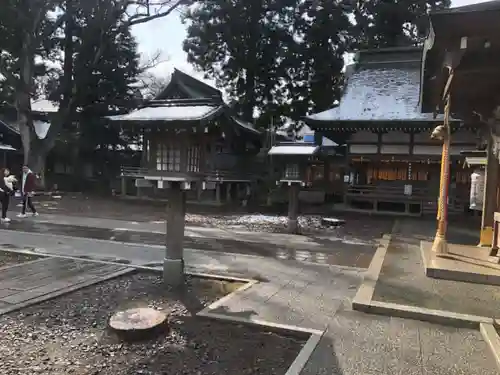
440	244
199	190
217	192
494	245
293	208
489	197
228	192
173	264
124	186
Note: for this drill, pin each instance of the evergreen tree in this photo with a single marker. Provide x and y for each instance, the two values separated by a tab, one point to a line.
326	33
29	30
391	23
279	58
240	44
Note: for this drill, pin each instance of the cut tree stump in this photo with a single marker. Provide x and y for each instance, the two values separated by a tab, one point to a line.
138	323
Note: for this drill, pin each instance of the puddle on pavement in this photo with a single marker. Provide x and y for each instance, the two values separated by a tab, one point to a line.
344	254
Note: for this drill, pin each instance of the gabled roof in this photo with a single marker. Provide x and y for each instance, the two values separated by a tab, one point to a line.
383	87
200	103
173	110
190	86
180	111
4	147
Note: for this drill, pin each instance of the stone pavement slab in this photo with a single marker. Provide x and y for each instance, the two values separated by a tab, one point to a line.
312	296
402	280
356	343
326	252
32	282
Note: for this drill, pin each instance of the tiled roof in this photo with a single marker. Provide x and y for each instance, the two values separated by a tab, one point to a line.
379	94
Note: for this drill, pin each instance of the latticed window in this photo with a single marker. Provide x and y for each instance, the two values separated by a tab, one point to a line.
292	171
194	158
168	158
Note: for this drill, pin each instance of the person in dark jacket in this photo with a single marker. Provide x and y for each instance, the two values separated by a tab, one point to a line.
6	190
28	185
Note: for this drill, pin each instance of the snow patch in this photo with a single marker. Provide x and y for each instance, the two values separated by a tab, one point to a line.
44	105
168	113
379	94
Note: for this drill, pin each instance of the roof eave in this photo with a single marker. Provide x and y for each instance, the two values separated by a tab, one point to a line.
205	119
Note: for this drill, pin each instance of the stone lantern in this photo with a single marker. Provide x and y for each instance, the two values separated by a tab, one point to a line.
292	160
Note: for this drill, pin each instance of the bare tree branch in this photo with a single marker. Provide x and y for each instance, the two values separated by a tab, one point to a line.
139	18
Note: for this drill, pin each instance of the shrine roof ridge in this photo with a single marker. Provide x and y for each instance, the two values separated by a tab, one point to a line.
187	102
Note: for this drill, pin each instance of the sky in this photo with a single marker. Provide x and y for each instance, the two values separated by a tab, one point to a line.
167	34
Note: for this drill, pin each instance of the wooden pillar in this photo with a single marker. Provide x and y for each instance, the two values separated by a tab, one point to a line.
173	264
494	245
293	208
489	198
124	186
199	190
217	192
228	192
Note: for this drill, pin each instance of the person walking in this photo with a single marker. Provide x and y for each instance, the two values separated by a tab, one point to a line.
6	190
28	184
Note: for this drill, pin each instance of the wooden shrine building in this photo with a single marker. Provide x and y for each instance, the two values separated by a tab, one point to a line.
190	135
10	144
11	147
393	164
462	62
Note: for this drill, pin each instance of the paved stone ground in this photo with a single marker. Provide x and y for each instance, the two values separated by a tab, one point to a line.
34	281
8	259
402	279
315	296
356	343
353	249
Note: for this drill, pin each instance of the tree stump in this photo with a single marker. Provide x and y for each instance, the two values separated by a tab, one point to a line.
138	323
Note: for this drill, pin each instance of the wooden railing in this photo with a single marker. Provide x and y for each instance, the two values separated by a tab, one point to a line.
383	191
215	174
133	171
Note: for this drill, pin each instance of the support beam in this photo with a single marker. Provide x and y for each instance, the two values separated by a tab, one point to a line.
489	198
173	264
293	208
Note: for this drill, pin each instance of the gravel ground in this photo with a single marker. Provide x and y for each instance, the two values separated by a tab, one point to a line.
69	336
8	258
113	208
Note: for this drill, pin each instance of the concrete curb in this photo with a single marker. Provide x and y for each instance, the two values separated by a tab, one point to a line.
492	339
446	274
363	301
365	292
313	336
